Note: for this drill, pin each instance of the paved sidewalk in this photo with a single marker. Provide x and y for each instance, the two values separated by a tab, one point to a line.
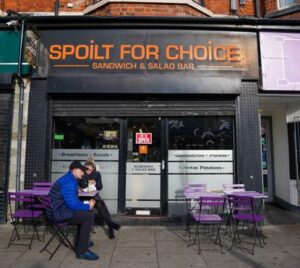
160	246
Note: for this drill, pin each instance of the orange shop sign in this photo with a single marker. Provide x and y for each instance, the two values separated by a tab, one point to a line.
143	138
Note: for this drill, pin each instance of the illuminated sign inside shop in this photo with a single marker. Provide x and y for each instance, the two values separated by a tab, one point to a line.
143	138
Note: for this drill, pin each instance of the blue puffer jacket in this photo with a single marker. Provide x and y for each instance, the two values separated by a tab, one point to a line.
64	198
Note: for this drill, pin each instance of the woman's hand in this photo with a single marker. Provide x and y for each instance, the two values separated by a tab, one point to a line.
92	182
92	203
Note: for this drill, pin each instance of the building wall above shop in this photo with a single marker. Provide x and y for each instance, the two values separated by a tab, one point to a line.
174	8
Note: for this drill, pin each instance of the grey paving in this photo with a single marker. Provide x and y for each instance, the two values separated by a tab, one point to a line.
164	247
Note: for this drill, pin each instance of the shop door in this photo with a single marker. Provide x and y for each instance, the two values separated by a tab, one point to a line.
144	166
266	150
297	153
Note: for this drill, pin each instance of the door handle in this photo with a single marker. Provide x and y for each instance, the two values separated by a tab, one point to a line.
163	164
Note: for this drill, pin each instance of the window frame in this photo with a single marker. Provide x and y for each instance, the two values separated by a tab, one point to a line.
280	6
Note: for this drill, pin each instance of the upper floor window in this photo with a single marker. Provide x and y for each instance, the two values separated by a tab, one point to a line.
286	3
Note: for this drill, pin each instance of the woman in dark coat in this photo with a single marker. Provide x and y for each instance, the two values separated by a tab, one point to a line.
92	176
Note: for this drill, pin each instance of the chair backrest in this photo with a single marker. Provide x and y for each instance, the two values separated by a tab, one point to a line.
47	206
212	201
231	188
195	187
40	188
23	201
20	197
244	204
41	184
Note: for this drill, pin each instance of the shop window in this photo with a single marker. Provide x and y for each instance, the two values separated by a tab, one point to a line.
287	3
200	150
294	149
85	133
202	133
81	138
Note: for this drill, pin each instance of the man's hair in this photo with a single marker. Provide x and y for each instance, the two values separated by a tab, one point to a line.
77	164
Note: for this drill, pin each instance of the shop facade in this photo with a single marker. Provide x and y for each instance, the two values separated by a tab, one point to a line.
280	116
8	66
156	107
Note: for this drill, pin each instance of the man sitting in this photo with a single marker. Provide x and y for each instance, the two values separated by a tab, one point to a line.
67	207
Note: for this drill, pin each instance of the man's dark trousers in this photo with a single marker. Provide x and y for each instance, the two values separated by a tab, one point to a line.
84	221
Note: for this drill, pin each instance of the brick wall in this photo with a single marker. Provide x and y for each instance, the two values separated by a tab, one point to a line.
223	7
270	5
130	9
42	5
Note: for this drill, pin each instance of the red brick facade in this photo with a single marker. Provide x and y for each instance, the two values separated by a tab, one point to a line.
270	5
42	5
130	9
141	8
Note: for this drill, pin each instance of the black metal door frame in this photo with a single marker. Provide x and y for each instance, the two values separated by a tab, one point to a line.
122	166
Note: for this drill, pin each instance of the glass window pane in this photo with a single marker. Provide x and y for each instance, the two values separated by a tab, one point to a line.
80	138
201	133
285	3
85	133
144	151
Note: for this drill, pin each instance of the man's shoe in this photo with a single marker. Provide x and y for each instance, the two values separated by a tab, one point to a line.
88	255
90	244
111	234
117	226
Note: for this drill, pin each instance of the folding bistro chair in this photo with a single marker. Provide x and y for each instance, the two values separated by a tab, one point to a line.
191	194
23	216
246	211
209	215
59	230
232	188
41	185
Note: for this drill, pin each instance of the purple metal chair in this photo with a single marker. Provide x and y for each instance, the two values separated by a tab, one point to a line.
41	185
22	216
246	211
191	194
211	208
59	230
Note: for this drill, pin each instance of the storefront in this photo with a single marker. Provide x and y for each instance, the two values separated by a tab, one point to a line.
280	116
156	107
8	65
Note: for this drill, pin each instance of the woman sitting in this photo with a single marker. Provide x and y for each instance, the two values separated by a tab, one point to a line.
93	177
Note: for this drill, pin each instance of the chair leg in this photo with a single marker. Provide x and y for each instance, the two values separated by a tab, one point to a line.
219	238
12	237
235	234
197	236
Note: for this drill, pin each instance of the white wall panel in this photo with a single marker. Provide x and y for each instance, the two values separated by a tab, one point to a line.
214	182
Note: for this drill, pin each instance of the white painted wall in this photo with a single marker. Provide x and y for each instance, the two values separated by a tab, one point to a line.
293	112
281	155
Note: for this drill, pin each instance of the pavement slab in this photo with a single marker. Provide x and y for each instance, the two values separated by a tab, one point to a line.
161	247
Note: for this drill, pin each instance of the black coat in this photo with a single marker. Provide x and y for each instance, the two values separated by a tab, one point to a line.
95	175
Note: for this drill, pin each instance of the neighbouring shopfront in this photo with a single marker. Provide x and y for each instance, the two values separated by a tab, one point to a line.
8	65
280	111
156	108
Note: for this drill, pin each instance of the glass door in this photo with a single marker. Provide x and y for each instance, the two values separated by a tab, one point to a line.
266	152
144	166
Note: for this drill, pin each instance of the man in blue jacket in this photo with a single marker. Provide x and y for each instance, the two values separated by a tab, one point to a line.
67	207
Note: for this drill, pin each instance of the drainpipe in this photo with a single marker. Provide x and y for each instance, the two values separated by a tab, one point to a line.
21	105
56	7
257	9
233	6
